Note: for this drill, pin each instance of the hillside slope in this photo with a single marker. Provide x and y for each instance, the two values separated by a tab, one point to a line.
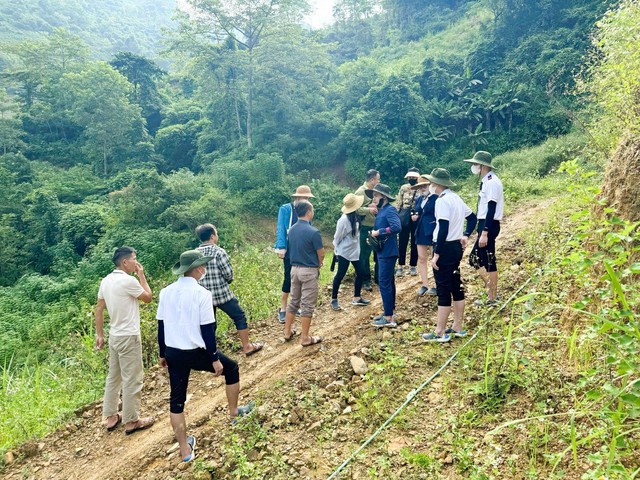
312	412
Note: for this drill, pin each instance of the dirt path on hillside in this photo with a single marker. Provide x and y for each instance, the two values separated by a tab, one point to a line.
84	450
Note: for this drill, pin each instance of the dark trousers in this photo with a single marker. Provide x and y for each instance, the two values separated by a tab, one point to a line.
387	282
235	312
485	257
286	283
403	242
448	280
343	266
365	255
181	362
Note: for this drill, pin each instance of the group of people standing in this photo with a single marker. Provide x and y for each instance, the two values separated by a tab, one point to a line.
428	218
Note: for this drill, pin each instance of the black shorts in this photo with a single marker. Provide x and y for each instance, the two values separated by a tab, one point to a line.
181	362
485	257
448	280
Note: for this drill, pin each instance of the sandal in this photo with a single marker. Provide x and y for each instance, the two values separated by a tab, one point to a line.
314	341
255	348
290	337
141	424
115	425
191	441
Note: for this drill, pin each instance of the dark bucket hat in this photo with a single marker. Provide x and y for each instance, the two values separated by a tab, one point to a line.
441	176
190	260
382	189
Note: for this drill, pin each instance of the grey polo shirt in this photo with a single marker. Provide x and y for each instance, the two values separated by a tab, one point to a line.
304	242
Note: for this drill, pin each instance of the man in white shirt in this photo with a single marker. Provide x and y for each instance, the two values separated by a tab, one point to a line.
187	341
119	292
490	212
449	242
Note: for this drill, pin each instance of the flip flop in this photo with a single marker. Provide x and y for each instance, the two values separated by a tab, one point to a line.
191	440
141	424
243	411
256	347
115	425
290	337
314	341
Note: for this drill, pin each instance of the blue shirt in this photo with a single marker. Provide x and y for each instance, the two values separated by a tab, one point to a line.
304	243
387	217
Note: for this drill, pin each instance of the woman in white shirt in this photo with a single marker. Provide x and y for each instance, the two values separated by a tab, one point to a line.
346	242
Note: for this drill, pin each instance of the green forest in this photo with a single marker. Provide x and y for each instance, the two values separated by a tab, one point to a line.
130	123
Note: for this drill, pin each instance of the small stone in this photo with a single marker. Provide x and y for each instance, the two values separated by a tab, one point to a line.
515	268
386	335
335	386
40	446
87	414
9	458
315	426
405	326
359	365
79	451
347	410
173	448
182	466
448	460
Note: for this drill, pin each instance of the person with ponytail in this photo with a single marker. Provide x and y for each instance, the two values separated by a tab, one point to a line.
346	242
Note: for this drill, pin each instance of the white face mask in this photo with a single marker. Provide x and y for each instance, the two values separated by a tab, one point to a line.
476	169
432	189
203	275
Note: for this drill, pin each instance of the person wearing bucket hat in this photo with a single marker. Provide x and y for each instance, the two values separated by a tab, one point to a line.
490	212
187	341
450	241
219	276
119	293
424	219
367	213
404	204
387	225
346	244
286	219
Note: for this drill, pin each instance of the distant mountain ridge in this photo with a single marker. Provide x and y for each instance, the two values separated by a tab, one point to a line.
108	26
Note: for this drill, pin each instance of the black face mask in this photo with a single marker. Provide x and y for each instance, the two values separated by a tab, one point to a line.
380	203
413	181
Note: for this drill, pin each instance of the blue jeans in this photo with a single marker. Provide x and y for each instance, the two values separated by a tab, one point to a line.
387	283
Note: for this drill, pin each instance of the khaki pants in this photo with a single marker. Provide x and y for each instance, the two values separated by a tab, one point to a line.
126	373
304	290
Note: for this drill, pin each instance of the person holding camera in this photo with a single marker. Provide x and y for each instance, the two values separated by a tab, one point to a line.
385	233
404	204
424	218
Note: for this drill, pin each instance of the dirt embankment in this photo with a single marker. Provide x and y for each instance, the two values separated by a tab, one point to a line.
84	450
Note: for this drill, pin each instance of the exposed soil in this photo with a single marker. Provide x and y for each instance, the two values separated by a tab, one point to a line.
278	377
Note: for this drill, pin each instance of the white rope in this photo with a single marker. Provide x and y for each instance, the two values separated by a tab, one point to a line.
413	393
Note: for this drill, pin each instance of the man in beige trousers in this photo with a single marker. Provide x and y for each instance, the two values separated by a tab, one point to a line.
119	292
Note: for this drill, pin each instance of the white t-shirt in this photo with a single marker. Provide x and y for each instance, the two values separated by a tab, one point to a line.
491	191
120	292
449	206
183	307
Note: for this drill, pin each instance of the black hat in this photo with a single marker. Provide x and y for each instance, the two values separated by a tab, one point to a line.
382	189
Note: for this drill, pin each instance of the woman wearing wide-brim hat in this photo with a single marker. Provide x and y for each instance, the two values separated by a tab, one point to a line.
386	227
424	219
346	242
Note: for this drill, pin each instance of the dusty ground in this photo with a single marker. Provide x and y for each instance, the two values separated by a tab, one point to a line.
304	418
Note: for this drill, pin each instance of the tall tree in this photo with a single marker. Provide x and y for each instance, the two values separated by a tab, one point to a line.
97	99
247	22
143	74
